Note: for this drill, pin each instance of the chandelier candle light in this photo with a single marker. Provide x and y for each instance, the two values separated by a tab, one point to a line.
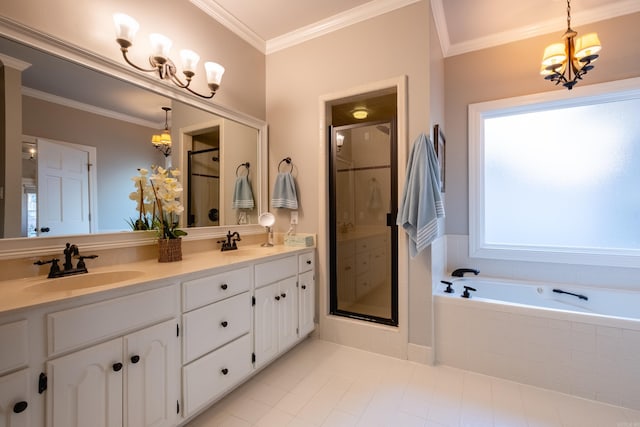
162	141
567	62
126	29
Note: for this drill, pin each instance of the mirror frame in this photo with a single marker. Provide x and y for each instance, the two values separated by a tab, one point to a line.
12	248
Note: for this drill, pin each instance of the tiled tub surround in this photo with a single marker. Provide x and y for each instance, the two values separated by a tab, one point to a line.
581	353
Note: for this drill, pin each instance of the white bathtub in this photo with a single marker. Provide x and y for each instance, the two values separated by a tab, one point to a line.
528	333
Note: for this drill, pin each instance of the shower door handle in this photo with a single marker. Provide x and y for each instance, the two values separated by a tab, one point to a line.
390	221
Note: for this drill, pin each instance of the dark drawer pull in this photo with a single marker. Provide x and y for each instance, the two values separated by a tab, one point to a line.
224	323
117	366
135	359
224	286
20	407
224	371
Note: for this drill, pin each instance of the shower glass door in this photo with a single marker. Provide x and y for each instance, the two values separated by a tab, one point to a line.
363	233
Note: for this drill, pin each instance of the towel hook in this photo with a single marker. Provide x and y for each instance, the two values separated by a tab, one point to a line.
288	161
246	165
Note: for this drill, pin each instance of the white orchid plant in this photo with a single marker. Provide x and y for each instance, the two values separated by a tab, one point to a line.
158	201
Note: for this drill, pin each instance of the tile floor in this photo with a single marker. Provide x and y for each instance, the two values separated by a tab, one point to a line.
321	384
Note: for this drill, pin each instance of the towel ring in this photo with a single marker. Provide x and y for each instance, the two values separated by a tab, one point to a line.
246	165
288	161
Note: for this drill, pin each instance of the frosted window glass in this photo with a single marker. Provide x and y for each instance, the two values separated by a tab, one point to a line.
567	177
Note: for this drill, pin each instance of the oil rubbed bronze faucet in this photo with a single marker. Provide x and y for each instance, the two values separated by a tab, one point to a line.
230	243
70	251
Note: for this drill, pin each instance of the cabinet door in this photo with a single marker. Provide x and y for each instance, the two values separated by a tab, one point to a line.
85	387
151	356
266	323
287	313
14	399
306	301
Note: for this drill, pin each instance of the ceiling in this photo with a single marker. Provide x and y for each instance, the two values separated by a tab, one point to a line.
462	25
262	23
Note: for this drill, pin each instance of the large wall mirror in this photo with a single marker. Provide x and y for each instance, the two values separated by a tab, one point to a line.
75	104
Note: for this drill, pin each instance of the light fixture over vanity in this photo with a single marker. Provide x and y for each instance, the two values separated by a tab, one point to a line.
126	29
162	141
567	62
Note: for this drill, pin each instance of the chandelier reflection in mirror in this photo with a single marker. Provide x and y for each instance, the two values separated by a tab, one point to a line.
162	141
126	29
566	63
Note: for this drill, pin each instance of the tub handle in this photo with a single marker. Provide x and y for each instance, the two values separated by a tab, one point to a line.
466	293
449	289
560	291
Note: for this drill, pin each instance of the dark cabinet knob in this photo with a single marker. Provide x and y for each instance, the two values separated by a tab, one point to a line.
224	371
224	286
304	286
283	295
117	366
309	262
20	407
135	359
45	229
224	323
277	297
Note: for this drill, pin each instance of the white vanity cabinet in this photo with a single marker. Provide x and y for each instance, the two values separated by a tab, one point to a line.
130	380
14	384
217	335
306	293
285	304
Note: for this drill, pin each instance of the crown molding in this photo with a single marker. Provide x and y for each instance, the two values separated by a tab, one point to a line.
66	102
336	22
232	23
601	13
317	29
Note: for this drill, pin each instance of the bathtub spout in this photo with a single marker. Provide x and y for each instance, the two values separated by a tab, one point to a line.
459	272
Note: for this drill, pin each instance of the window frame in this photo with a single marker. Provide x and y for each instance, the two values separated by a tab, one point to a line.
478	112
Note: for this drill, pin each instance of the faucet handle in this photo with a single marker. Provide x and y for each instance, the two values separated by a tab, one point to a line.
81	265
55	268
466	293
449	288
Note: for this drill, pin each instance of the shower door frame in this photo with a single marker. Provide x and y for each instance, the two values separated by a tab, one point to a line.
391	223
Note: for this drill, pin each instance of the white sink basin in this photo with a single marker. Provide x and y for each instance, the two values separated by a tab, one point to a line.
82	281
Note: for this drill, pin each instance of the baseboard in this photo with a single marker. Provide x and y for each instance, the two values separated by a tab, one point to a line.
420	354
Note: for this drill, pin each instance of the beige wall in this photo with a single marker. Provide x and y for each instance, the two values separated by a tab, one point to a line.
388	46
512	70
89	25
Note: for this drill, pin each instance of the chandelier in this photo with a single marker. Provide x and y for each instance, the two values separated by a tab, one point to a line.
565	63
126	28
162	141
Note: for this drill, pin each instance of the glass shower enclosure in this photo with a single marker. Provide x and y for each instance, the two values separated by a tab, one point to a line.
363	234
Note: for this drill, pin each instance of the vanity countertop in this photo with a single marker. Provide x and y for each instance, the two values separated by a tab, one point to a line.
34	291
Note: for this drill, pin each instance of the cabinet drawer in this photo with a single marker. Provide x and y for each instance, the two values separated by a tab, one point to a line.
203	291
209	377
276	270
88	324
306	262
15	345
210	327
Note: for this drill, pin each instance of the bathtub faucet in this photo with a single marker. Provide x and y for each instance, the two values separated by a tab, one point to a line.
459	272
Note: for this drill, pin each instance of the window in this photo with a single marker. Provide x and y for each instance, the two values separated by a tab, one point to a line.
556	177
